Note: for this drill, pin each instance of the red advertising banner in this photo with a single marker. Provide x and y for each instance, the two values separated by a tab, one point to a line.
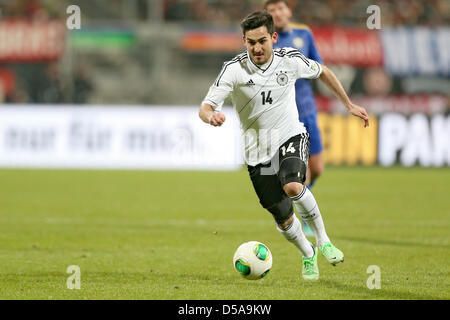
212	41
337	45
24	41
358	47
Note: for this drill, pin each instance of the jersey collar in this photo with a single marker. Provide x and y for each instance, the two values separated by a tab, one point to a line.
262	68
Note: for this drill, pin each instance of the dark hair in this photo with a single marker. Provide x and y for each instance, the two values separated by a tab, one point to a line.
269	2
256	20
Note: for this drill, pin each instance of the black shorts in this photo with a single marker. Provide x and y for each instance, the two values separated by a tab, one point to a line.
288	165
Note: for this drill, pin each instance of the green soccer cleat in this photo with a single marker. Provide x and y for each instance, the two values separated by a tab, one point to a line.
310	267
331	253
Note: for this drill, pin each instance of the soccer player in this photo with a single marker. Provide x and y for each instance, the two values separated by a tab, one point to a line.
299	36
261	82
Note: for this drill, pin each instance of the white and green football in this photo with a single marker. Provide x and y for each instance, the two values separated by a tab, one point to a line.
252	260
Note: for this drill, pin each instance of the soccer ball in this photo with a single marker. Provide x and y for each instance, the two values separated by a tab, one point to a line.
252	260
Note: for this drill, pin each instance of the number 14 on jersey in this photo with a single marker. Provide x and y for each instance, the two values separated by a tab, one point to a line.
290	149
266	99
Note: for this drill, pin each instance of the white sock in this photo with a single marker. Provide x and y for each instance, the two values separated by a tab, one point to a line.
294	234
309	211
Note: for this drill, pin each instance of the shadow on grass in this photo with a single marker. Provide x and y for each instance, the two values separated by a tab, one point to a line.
381	294
185	281
394	242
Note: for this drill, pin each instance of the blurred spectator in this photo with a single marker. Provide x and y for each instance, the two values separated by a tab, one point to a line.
377	82
50	89
19	96
2	94
7	83
178	10
82	86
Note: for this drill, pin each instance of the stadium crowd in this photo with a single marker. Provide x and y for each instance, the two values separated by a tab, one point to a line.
342	12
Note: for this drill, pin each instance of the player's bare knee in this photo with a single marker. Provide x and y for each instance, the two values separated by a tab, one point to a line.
293	189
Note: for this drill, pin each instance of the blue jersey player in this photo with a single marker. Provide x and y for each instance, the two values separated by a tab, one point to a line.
299	36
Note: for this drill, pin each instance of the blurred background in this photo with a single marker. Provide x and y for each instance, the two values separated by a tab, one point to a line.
155	59
116	84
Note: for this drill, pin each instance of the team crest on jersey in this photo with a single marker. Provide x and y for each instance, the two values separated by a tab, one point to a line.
282	78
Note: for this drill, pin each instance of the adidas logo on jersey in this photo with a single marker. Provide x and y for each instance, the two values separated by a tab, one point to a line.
250	83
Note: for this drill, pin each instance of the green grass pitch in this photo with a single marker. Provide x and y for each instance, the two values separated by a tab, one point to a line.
172	235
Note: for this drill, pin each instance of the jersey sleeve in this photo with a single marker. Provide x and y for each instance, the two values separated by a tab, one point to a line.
307	68
220	89
313	52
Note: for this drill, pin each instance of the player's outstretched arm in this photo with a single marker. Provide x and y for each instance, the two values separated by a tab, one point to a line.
207	114
333	83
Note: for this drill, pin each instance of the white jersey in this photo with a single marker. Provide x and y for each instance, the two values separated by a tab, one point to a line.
264	98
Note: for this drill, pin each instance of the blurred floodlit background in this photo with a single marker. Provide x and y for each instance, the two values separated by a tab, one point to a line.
163	55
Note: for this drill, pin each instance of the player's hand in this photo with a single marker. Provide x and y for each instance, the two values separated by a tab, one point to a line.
217	119
359	112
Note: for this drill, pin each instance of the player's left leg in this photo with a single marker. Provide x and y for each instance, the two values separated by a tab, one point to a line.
315	162
274	199
307	207
292	173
